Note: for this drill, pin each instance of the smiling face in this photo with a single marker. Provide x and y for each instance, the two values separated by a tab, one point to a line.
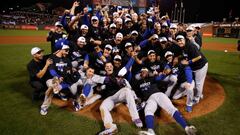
152	57
109	68
38	56
181	42
90	72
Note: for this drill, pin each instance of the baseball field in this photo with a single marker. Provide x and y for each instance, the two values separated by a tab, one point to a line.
218	114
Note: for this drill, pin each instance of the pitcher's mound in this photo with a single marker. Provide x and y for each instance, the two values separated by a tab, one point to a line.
213	98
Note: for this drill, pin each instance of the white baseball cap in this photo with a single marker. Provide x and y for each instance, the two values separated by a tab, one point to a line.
122	72
164	24
115	14
119	35
155	36
144	69
58	24
117	57
36	50
94	18
65	47
128	44
84	27
168	53
173	26
119	20
150	20
134	32
190	28
180	37
81	39
128	15
150	52
108	46
163	39
127	20
112	25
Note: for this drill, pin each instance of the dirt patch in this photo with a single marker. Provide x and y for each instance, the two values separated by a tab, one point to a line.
214	97
219	47
22	39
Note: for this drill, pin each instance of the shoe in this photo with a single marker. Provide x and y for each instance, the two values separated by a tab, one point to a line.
197	99
43	111
190	130
62	96
149	132
82	99
109	131
138	123
76	105
189	108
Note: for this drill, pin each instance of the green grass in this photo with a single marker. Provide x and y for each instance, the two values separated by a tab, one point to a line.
220	40
7	32
18	115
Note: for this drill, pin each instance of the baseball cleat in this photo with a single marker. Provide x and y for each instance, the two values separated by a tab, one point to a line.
190	130
76	105
149	132
43	111
138	123
109	131
189	108
82	99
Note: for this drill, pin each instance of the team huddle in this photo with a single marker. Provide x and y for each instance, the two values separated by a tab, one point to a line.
118	56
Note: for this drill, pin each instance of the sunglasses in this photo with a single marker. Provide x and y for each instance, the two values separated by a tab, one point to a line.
66	50
189	30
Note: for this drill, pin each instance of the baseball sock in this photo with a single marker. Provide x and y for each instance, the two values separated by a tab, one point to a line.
86	89
178	117
149	121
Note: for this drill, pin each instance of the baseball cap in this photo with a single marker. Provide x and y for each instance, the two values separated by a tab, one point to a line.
197	26
60	43
180	37
128	44
134	32
127	20
58	24
173	26
190	28
163	39
150	52
117	57
164	24
94	18
115	14
108	46
35	50
128	15
122	72
81	39
168	53
144	69
155	36
65	47
119	20
119	35
84	27
112	25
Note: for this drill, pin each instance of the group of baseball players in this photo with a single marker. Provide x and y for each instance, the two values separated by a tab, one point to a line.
142	61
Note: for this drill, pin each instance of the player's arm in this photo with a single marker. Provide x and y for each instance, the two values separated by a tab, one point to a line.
42	72
188	74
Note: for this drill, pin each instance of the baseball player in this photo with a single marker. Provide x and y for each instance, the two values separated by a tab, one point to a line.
38	72
61	71
55	34
198	63
118	90
146	89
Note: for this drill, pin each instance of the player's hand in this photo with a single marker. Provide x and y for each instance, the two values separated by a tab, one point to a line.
61	79
76	4
49	62
184	62
187	86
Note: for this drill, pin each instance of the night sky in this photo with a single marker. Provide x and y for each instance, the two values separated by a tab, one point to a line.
196	10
